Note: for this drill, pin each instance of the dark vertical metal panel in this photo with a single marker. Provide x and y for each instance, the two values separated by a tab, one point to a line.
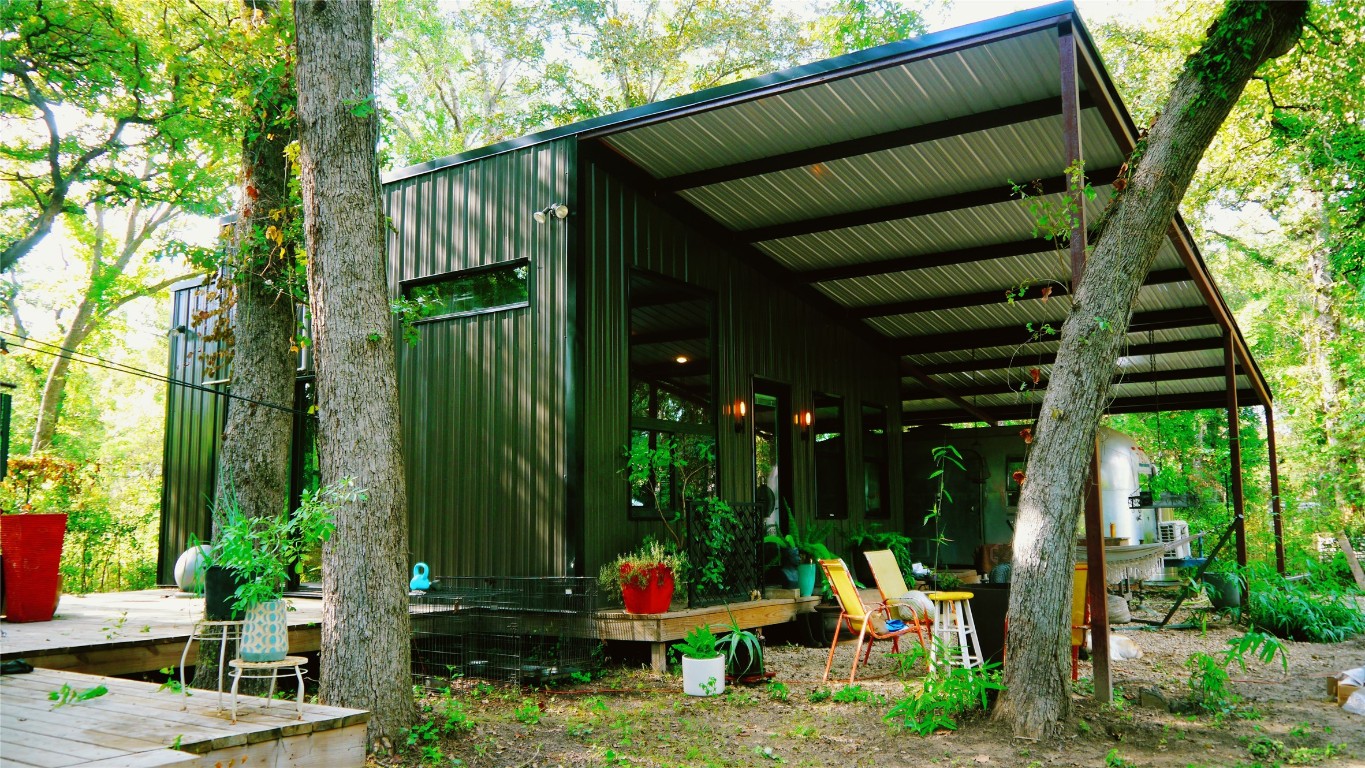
194	424
483	397
762	331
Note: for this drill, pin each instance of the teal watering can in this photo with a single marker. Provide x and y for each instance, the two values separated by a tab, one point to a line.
420	572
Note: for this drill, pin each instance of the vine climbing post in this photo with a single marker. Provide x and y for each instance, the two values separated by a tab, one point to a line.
1235	448
1071	138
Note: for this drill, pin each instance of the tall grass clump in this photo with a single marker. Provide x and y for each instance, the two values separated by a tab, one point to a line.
1317	608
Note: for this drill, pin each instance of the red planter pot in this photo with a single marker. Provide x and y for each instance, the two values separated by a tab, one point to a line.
654	596
33	551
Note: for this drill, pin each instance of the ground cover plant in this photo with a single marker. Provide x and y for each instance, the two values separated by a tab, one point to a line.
629	716
1318	607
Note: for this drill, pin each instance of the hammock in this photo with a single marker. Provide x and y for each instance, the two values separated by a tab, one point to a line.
1135	562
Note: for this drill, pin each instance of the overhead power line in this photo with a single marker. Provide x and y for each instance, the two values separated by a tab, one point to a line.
56	350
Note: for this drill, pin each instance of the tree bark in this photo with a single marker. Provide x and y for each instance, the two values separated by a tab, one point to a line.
365	628
1038	696
254	456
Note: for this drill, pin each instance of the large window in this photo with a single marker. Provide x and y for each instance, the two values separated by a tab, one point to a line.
874	462
672	449
471	291
831	457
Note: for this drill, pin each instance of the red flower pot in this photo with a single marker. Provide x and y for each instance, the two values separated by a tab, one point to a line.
33	552
656	593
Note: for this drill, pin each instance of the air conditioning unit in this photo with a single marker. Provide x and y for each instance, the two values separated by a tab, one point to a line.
1172	530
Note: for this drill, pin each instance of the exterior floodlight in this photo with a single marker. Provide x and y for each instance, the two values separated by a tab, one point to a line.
559	210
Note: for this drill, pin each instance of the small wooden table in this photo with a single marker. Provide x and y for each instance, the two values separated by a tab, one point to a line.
258	669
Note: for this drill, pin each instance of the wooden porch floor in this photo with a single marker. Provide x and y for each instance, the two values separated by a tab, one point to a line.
135	725
121	633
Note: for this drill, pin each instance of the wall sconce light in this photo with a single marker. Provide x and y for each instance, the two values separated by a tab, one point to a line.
741	410
804	420
558	210
681	359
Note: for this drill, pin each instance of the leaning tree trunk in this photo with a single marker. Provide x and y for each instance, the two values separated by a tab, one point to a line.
1038	695
365	632
254	457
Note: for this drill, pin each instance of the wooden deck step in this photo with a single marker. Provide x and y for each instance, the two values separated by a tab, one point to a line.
137	724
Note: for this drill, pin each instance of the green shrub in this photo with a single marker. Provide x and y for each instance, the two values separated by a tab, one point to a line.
946	695
1316	609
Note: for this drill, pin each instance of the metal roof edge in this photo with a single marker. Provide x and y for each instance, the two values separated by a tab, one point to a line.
752	87
1260	385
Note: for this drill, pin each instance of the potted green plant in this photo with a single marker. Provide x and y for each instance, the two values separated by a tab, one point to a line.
809	544
263	552
703	664
743	651
646	578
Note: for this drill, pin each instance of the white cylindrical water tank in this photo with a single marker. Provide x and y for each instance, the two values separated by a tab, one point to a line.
1122	465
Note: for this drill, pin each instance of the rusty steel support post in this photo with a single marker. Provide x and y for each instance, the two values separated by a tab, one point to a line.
1276	516
1071	138
1234	448
1096	583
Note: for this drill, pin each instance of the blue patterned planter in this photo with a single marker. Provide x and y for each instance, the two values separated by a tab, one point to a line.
265	636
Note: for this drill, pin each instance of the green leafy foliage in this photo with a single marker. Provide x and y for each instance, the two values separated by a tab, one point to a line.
1209	678
809	540
945	695
264	551
68	695
700	643
1317	609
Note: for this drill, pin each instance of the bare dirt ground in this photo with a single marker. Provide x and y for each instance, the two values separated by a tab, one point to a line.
630	717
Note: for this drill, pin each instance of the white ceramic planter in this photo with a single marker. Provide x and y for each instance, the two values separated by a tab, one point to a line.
704	677
265	636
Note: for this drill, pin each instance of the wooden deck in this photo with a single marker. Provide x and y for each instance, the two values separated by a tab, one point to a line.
135	725
121	633
659	629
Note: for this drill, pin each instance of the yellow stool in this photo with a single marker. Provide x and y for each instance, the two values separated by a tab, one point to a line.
954	631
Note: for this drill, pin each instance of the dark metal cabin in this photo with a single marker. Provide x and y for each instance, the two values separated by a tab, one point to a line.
786	271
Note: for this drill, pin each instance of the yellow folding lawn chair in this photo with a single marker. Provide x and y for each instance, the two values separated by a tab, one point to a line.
856	616
891	584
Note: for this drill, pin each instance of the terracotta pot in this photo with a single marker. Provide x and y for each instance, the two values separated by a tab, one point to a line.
33	554
654	596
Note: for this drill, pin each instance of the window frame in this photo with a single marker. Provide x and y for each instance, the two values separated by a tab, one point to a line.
417	282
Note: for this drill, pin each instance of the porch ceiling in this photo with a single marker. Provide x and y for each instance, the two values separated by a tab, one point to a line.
878	185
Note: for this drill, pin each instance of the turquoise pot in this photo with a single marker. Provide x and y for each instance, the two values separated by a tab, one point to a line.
805	579
265	636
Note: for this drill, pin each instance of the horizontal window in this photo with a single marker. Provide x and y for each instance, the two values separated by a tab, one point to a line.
482	289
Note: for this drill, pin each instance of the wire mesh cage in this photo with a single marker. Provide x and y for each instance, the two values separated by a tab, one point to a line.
524	631
725	553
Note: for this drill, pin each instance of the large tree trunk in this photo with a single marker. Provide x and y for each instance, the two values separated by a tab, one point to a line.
365	629
1038	695
254	456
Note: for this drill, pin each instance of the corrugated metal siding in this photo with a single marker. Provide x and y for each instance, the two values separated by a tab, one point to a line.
483	396
762	331
194	426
